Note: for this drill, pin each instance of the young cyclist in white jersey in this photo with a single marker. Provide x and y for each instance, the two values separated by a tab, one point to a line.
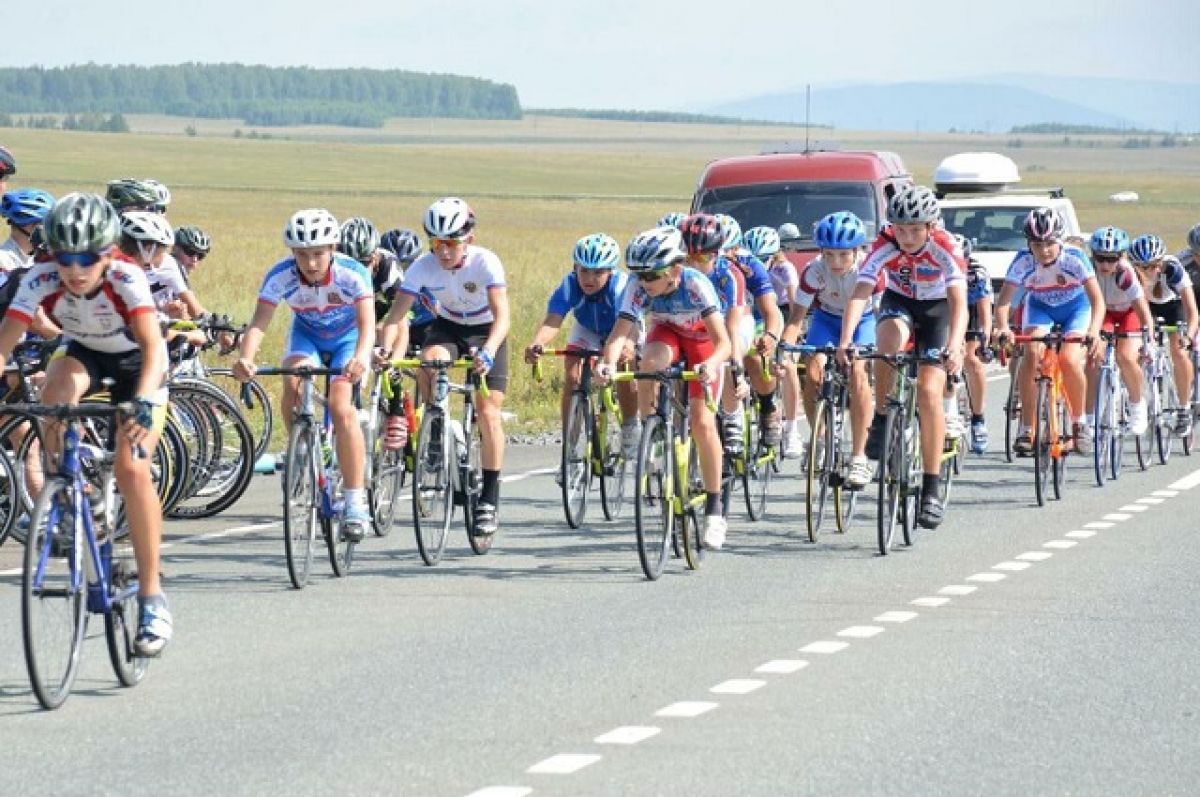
470	288
925	301
826	286
24	210
110	331
333	319
192	245
682	312
592	292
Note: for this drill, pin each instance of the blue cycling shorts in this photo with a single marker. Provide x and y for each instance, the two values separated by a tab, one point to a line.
338	350
825	329
1074	317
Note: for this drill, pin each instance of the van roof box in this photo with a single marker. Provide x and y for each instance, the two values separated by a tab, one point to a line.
975	173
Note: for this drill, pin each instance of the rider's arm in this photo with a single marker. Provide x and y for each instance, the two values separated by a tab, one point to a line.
144	329
11	331
252	339
1189	310
43	326
396	318
1142	308
795	322
498	302
1096	297
722	348
551	324
364	319
854	312
616	340
195	310
1003	301
956	297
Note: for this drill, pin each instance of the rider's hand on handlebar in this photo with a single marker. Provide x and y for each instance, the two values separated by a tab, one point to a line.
243	369
533	353
604	373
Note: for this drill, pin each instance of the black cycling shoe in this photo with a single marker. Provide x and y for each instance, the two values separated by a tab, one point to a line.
932	511
486	521
875	437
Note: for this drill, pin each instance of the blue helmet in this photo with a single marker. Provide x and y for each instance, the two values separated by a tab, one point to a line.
1109	241
731	231
1147	249
761	241
26	207
404	244
841	230
672	219
597	251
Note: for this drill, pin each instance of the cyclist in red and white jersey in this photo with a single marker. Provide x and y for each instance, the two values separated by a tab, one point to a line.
925	300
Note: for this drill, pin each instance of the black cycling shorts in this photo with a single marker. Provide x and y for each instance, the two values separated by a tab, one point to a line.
928	320
1169	312
417	334
124	368
461	338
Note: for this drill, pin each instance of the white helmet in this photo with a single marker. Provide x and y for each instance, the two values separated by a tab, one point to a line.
147	228
655	249
449	217
311	227
162	192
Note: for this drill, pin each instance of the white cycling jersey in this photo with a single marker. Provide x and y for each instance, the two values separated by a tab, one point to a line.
1120	288
461	292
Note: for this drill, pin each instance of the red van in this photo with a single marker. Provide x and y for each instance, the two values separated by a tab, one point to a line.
777	187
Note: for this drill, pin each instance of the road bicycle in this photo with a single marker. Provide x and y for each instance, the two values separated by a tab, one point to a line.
1052	433
1112	412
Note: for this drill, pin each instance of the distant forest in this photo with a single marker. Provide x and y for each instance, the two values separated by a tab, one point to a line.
260	95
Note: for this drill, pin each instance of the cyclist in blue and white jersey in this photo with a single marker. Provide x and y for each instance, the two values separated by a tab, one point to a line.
471	290
24	210
592	292
333	318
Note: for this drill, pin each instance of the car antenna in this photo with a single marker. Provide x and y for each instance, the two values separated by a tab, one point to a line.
807	111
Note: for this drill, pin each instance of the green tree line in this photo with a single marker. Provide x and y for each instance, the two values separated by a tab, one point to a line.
260	95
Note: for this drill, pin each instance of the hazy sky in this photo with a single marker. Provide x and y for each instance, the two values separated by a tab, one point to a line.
628	53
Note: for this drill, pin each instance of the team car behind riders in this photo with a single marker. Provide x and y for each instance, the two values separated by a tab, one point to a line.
925	300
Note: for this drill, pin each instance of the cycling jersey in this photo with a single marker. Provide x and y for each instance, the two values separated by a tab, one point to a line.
1057	284
979	284
166	279
924	275
325	311
595	312
461	293
12	257
758	280
683	309
821	288
1121	288
1169	284
784	280
730	285
385	281
100	321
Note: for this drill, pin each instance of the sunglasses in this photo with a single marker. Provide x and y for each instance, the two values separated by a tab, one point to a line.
1106	258
652	276
197	256
80	259
1155	264
449	243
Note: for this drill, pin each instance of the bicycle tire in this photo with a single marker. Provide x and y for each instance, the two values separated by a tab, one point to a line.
10	497
121	621
816	468
385	490
473	478
1012	414
226	473
299	486
615	469
433	493
653	492
53	663
1104	431
1164	430
1041	444
1058	465
893	465
575	461
260	416
756	476
690	522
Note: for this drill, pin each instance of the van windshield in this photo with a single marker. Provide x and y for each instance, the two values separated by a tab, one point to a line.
802	204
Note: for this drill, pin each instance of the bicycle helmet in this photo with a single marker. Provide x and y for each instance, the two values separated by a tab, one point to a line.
8	164
404	244
701	233
788	234
1193	240
195	240
26	207
311	227
762	241
965	244
672	219
731	231
913	204
449	217
130	192
655	250
359	238
147	227
1109	241
1147	249
597	251
81	223
841	230
1044	225
162	195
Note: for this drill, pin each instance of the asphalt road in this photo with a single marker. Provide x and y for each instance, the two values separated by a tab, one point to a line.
1015	650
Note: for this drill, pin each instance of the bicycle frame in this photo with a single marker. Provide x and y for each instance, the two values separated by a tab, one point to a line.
1050	373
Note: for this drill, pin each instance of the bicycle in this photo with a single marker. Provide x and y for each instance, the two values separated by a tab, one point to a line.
828	460
667	476
386	468
591	443
312	481
447	466
752	463
1163	406
1051	431
1012	403
1112	412
69	560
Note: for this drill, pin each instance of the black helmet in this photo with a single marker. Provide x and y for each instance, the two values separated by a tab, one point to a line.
404	244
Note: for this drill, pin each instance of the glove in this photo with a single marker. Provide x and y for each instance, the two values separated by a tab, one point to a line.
485	359
143	414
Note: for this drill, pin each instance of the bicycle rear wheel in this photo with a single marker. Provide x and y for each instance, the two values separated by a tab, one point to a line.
299	484
384	492
472	478
817	468
53	594
690	520
653	490
121	622
575	462
1041	445
339	547
1058	465
433	494
10	500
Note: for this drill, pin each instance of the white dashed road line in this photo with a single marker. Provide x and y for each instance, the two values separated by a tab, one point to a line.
563	764
782	666
628	734
825	647
686	709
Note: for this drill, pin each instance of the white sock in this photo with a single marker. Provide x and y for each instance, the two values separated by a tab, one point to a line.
354	497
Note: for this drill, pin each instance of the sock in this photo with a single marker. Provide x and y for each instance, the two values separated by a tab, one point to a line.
976	418
712	503
930	483
354	497
491	487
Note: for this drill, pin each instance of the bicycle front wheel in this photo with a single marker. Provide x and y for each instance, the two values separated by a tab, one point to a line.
893	479
756	475
53	594
690	525
652	495
1164	426
1012	416
575	465
816	466
432	494
615	469
1041	445
300	501
1102	435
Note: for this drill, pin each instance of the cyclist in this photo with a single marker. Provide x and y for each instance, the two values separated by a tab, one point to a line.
1167	286
132	193
683	314
702	238
24	209
979	327
789	237
406	246
1061	289
8	167
192	245
333	319
757	341
764	243
925	301
1125	310
469	285
826	285
360	241
592	292
146	240
1189	258
107	316
673	219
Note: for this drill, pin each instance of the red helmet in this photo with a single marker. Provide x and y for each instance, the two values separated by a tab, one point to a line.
702	233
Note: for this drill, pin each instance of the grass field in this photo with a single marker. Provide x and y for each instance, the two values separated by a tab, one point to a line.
537	185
